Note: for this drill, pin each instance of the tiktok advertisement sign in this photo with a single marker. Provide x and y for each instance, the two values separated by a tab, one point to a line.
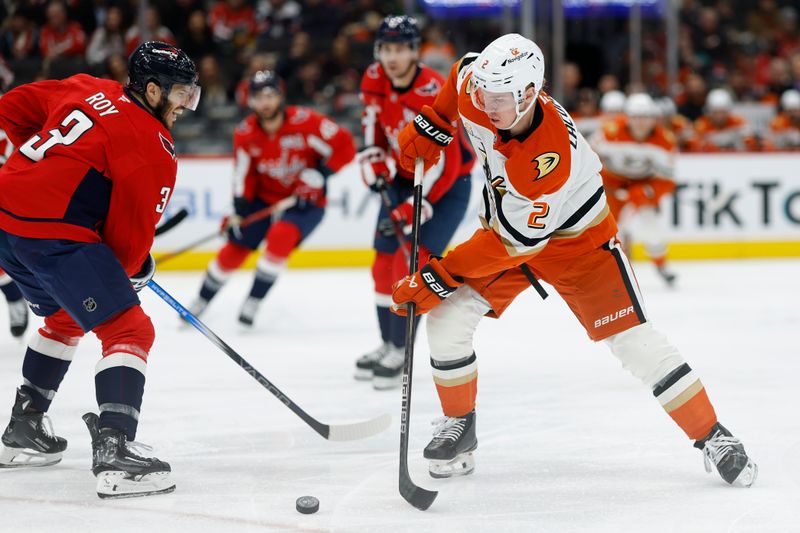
735	197
720	198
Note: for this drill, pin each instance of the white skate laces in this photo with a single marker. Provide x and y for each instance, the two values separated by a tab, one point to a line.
718	447
448	428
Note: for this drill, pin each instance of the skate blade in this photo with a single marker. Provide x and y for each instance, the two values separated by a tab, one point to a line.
26	458
116	485
363	374
747	476
462	465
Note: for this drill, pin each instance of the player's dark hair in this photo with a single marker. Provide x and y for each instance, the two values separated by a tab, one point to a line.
398	29
266	79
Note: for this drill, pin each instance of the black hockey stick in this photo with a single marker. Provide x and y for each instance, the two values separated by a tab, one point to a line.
172	222
417	496
387	204
282	205
341	432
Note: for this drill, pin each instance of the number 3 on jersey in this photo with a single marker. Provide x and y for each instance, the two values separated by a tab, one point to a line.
78	124
164	199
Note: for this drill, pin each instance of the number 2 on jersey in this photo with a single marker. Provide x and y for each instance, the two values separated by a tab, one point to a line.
78	124
540	210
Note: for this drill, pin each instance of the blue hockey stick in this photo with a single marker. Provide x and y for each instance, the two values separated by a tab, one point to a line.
359	430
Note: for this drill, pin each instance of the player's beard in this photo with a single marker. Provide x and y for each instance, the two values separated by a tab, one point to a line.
271	116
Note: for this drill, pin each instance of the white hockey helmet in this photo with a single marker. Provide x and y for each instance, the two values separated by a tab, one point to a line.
641	105
667	106
612	102
502	73
719	100
790	100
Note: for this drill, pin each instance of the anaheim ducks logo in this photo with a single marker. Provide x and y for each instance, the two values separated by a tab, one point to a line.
546	163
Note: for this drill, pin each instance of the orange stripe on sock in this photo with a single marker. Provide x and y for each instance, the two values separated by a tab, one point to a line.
696	416
458	400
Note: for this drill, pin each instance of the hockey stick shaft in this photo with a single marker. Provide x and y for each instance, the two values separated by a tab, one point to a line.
355	431
172	222
261	214
398	231
416	496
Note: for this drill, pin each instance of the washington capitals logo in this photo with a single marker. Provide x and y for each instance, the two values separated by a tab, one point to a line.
171	51
168	146
429	89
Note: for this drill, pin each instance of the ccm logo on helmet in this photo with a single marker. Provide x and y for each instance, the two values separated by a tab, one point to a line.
426	128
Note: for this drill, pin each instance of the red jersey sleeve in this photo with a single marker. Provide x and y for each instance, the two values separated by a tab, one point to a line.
137	202
24	110
245	182
333	143
372	95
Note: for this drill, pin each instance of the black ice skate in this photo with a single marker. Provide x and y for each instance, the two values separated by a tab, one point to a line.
726	452
29	440
388	372
18	317
450	451
365	365
249	309
120	472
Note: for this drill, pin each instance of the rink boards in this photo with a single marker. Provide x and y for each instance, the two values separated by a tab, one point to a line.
726	206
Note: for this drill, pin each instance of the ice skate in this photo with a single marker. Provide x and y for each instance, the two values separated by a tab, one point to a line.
388	372
450	450
18	317
727	454
29	440
249	309
120	471
667	275
367	362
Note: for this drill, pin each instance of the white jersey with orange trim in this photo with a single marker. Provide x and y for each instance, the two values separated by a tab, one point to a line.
631	159
541	185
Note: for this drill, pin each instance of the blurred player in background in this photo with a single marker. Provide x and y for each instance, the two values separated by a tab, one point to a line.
612	104
638	156
680	126
394	88
17	307
719	129
784	130
79	202
544	216
280	151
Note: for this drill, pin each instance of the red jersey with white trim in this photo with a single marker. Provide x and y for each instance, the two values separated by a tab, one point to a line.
92	165
387	110
543	188
6	148
268	165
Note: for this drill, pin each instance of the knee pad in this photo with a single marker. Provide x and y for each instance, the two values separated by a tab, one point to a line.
229	258
382	273
60	325
130	331
451	324
646	353
282	238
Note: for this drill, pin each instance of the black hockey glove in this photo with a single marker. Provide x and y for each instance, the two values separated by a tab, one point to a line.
145	274
241	206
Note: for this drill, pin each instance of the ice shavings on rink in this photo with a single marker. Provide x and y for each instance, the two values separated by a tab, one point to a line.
568	441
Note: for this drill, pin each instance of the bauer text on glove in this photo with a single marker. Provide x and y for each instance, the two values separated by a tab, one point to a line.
426	288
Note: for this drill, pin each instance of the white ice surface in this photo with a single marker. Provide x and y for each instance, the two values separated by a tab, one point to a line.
568	440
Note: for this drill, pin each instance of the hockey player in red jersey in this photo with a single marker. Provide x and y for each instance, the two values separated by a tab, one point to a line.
280	151
545	216
17	308
79	201
394	88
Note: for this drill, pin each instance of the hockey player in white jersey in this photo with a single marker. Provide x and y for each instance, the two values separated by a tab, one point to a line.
544	216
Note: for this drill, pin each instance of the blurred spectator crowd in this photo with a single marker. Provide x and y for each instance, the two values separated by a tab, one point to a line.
748	49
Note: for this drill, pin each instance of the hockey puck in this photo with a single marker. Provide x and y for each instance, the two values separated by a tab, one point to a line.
307	505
